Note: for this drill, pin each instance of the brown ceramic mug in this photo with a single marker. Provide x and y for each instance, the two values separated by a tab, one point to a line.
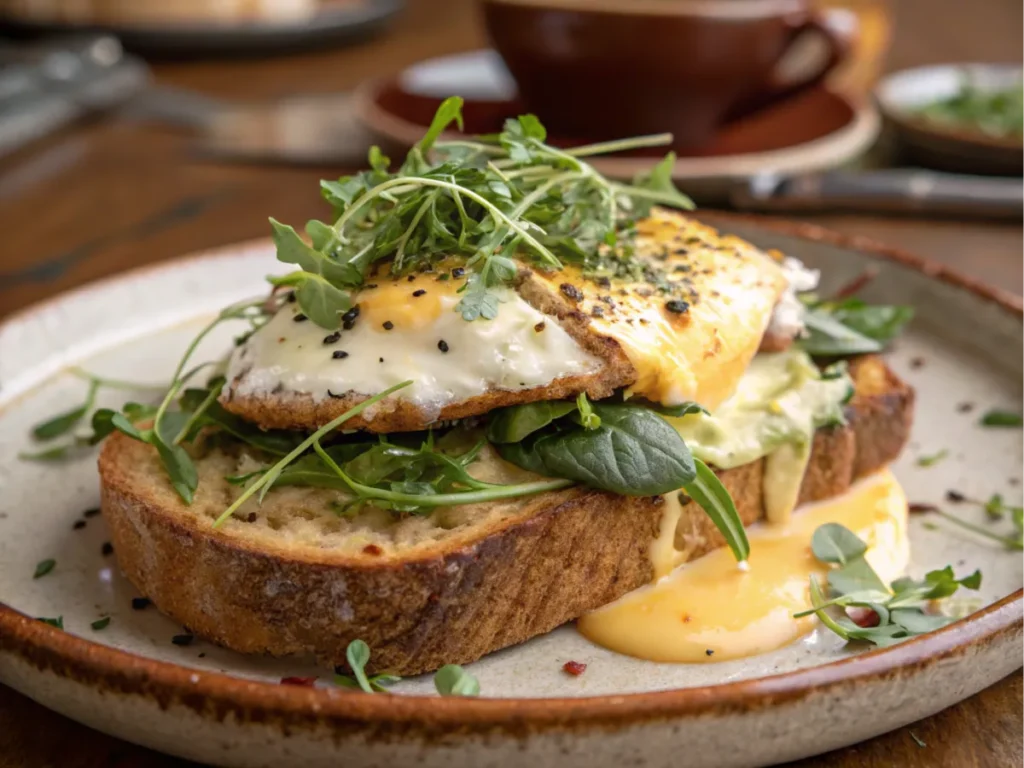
612	68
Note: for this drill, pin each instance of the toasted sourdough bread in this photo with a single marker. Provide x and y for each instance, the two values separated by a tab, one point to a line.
699	258
291	577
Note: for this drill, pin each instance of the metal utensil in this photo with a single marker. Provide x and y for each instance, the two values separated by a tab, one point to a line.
899	190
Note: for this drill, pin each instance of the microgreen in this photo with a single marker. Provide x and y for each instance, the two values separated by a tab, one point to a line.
357	654
57	622
900	607
998	418
100	623
65	422
453	680
266	480
450	680
482	200
1012	541
43	567
932	459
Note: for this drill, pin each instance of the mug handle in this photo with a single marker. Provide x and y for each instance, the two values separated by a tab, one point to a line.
839	47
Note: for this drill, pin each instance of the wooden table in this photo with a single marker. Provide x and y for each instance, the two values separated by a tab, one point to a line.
104	197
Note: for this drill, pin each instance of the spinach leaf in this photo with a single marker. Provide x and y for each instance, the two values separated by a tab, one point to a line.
634	452
517	422
876	321
713	497
826	336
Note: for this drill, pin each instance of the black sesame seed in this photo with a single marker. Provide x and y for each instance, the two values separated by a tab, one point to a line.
140	603
251	518
291	297
300	318
352	314
442	345
955	496
183	639
458	272
388	325
332	338
709	652
348	325
79	525
411	278
418	293
91	512
381	360
677	306
107	548
570	291
202	655
339	354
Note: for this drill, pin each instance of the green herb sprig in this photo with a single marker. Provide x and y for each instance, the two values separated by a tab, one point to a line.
449	680
479	200
899	607
998	418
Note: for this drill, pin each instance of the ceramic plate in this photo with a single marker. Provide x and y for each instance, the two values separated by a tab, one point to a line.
205	703
813	131
902	94
335	21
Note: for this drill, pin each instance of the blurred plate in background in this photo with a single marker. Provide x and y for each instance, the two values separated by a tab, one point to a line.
201	27
952	147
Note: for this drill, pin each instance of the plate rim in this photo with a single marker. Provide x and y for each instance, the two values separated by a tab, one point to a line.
93	663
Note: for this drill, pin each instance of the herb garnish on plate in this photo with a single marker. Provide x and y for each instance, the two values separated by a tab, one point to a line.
886	613
449	680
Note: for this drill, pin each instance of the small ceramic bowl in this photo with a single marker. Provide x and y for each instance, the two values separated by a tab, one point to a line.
902	95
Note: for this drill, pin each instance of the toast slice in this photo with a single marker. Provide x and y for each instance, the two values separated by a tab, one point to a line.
725	291
292	577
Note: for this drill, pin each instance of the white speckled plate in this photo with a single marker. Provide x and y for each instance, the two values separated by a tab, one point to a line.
209	704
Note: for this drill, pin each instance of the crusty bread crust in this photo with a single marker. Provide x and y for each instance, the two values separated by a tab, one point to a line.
516	577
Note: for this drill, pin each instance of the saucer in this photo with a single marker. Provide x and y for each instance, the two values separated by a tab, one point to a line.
814	131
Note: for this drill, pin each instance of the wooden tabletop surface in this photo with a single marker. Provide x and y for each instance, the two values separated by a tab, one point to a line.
107	196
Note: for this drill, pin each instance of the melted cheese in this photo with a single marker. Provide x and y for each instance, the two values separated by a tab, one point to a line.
731	288
519	349
711	605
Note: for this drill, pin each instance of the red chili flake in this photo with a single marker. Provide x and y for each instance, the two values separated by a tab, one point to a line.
686	618
306	682
372	549
915	507
863	617
574	668
854	286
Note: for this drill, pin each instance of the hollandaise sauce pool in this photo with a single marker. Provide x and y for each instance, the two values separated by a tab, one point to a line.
710	610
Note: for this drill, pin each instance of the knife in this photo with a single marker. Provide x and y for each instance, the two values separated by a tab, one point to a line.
898	190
